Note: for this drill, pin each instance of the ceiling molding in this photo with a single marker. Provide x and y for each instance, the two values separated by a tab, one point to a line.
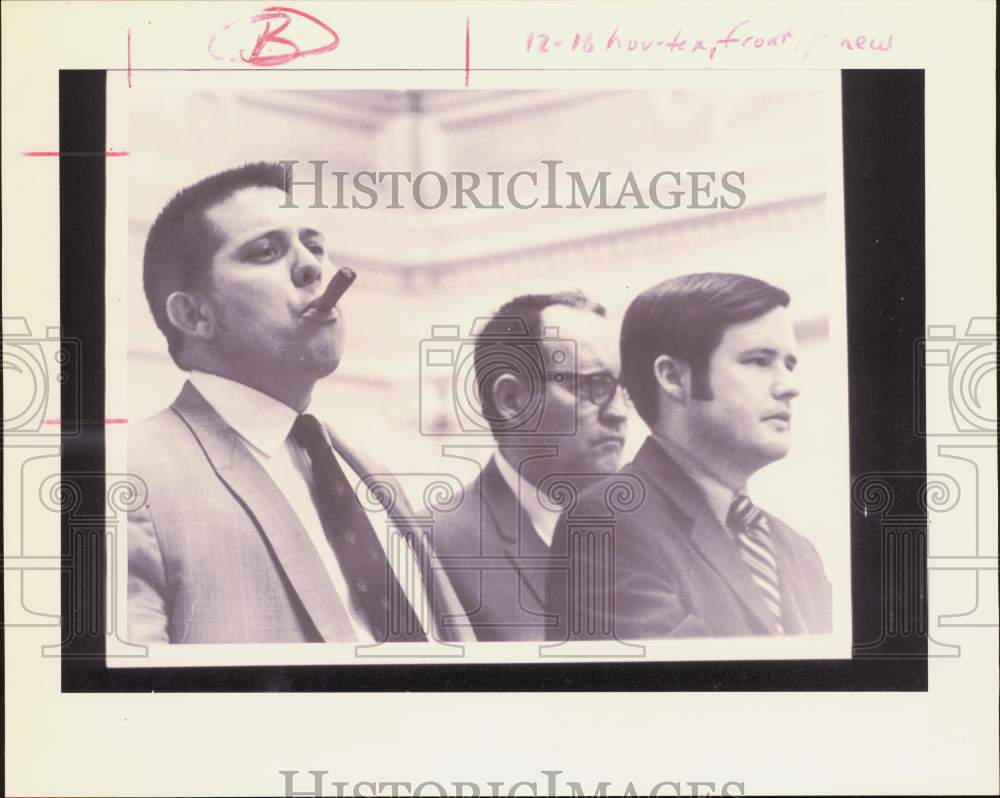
429	275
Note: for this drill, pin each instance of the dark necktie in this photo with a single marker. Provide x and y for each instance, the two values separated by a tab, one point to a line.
375	591
753	534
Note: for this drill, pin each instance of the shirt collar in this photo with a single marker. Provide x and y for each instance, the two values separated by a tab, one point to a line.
542	518
718	494
261	420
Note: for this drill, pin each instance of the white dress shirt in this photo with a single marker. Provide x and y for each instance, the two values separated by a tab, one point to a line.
542	518
265	425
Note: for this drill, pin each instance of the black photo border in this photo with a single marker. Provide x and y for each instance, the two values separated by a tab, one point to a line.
883	146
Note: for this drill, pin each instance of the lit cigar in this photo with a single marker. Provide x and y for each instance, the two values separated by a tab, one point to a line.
334	291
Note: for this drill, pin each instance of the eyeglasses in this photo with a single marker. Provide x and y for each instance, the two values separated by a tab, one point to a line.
597	387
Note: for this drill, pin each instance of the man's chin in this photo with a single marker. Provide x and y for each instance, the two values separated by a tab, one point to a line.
609	463
775	450
319	370
321	361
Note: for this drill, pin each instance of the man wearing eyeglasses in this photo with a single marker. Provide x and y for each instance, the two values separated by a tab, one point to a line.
547	368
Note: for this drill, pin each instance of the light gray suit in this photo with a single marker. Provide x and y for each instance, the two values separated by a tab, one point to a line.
217	555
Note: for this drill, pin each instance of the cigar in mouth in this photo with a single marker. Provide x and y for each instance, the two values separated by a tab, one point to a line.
338	286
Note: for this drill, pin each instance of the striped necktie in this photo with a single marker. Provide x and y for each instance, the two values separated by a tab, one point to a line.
754	538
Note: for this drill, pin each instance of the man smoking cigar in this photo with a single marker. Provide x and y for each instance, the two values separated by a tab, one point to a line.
253	531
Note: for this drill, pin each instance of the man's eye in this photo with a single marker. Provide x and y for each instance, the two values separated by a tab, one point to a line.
262	252
316	249
761	360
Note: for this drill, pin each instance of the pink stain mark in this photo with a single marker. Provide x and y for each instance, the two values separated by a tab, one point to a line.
466	52
55	422
56	154
130	58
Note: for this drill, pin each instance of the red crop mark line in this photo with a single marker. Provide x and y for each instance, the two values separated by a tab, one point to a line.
467	41
55	154
55	422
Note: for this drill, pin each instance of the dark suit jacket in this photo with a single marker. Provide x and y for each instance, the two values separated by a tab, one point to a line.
216	553
495	560
665	566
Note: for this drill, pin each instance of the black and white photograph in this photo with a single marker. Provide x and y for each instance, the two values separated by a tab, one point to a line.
455	369
501	398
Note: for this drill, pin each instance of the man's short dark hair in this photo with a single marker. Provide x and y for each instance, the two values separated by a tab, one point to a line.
519	320
182	242
685	318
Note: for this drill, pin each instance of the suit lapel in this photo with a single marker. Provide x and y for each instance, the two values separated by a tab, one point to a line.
788	571
270	511
716	545
445	603
514	529
713	542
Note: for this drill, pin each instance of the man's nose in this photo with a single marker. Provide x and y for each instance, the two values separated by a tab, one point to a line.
307	267
786	387
615	412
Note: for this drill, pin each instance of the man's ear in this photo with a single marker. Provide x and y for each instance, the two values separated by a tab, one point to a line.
509	396
673	377
191	314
